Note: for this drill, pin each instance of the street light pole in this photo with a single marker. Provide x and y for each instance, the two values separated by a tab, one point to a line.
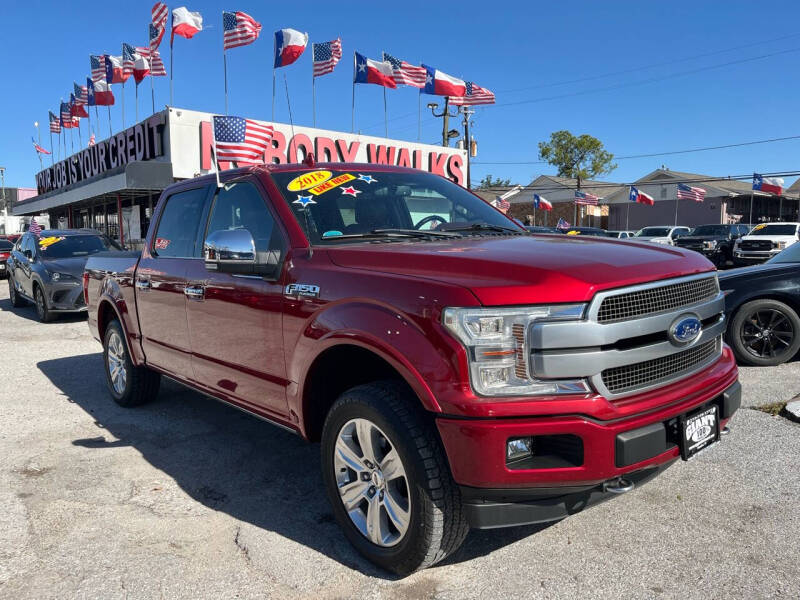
467	113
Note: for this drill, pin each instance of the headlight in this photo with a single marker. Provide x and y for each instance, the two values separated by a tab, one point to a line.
498	349
779	245
710	245
61	277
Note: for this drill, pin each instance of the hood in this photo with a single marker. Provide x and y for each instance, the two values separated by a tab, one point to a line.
731	277
526	269
701	238
789	239
650	238
71	266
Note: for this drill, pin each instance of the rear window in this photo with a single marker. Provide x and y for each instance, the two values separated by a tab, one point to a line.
776	229
710	230
653	232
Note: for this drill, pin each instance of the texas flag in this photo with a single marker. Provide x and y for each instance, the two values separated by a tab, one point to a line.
442	84
185	23
76	109
115	73
373	71
773	185
289	45
637	196
99	93
541	202
141	68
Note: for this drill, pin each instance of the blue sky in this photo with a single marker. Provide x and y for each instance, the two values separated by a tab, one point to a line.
523	51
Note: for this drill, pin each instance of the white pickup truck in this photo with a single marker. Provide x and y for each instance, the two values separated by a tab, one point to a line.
765	241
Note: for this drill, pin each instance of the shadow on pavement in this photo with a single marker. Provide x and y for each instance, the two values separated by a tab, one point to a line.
230	461
29	312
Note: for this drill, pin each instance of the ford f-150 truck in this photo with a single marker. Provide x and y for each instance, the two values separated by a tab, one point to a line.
458	371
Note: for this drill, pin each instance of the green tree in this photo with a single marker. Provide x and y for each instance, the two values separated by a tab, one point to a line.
488	182
578	157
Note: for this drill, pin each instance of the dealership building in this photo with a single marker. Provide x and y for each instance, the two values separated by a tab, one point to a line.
113	186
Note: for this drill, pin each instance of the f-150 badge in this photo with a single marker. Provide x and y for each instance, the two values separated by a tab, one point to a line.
302	289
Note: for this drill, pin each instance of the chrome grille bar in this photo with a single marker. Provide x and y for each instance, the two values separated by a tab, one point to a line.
656	299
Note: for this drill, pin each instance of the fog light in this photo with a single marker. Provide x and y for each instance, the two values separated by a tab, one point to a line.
519	448
495	376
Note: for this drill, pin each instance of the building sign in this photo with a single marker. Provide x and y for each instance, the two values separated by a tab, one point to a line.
140	142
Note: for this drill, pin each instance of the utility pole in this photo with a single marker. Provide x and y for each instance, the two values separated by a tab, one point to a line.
467	112
446	134
3	197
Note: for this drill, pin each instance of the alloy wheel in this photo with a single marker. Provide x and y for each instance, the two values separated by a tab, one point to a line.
372	482
767	333
39	302
115	362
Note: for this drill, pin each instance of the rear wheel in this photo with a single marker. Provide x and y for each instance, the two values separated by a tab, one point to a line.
42	311
17	301
388	480
765	333
128	385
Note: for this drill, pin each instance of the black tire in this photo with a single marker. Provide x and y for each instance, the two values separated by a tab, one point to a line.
140	383
17	301
40	301
436	525
754	319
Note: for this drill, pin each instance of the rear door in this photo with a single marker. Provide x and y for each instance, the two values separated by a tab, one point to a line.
161	281
24	265
235	321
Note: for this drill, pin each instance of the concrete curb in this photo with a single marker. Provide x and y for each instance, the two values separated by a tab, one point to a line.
792	411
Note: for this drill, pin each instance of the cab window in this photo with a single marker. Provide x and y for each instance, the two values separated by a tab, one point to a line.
177	232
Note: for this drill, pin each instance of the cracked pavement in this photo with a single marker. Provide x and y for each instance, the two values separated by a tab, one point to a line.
189	498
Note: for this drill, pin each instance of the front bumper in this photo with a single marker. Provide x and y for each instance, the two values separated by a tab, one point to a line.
753	257
63	297
637	447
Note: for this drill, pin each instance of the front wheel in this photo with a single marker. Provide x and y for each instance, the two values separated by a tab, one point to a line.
388	480
765	333
129	385
42	310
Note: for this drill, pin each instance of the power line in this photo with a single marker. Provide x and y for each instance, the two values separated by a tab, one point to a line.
653	154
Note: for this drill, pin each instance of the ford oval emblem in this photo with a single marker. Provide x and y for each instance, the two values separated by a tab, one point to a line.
685	330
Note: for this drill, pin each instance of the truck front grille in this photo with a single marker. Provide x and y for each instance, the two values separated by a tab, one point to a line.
656	299
757	245
644	374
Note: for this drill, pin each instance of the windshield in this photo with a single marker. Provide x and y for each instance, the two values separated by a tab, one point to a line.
710	230
339	206
790	255
5	246
774	230
71	246
653	232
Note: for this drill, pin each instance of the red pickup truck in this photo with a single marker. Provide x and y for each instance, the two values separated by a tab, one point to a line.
458	371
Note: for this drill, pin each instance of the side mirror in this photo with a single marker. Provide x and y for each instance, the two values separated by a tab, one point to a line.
230	251
28	254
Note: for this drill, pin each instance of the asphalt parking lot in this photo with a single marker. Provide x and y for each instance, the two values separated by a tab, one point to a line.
189	498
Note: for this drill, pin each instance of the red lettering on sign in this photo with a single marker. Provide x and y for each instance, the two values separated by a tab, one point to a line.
436	163
454	166
404	158
301	140
326	150
206	142
347	154
276	152
418	160
382	155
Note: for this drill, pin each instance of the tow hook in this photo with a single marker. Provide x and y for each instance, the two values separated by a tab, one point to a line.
620	485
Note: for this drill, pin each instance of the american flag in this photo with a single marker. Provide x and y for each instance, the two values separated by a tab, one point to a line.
501	204
91	140
81	94
405	73
128	59
55	123
98	65
239	29
157	68
585	198
35	228
687	192
240	140
39	149
158	24
66	115
562	223
475	95
326	55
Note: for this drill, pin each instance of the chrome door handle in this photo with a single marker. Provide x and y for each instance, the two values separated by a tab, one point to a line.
143	284
194	292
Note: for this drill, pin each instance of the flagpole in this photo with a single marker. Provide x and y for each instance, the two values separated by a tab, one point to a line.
88	113
353	109
136	101
52	151
123	104
313	95
419	117
289	104
72	137
214	144
627	217
676	211
385	114
39	154
152	53
225	69
110	132
750	222
80	138
171	67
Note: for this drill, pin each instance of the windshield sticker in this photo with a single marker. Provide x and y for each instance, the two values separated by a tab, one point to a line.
331	183
307	180
304	200
161	243
350	191
49	241
367	178
573	232
758	227
332	233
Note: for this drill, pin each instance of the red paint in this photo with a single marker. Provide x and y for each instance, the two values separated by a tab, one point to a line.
249	344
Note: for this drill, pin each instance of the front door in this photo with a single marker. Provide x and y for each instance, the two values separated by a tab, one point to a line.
234	320
161	282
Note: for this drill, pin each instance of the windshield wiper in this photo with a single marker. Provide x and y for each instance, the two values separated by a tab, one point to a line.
415	232
482	227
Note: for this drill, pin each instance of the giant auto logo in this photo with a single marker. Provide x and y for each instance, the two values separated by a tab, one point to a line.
685	330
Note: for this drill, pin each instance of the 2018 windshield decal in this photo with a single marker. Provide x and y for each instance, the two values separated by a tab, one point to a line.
49	241
307	180
327	186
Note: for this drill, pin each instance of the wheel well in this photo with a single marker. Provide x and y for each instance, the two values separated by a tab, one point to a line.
792	302
105	314
333	372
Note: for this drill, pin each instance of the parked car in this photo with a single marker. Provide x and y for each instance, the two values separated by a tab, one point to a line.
541	229
595	231
762	303
468	375
11	237
620	234
5	252
660	234
765	241
47	269
715	241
